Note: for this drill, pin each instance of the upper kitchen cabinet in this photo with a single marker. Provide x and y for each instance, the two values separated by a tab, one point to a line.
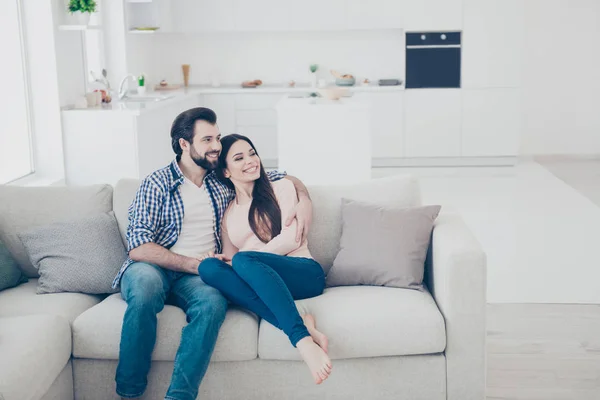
149	16
318	15
202	15
431	15
493	38
375	14
262	15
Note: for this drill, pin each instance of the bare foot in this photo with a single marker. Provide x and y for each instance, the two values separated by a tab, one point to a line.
317	360
318	337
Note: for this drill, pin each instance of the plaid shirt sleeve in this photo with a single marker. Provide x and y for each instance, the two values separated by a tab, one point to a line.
144	214
276	175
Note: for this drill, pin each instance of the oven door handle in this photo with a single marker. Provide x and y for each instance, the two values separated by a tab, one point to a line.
434	46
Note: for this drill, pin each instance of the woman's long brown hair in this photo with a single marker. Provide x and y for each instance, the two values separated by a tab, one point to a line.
265	215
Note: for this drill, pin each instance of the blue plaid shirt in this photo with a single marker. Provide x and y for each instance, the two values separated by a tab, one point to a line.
156	213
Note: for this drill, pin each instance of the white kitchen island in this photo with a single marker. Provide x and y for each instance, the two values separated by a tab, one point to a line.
325	142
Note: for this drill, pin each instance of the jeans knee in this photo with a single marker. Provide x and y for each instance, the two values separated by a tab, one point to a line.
242	258
144	289
210	269
212	306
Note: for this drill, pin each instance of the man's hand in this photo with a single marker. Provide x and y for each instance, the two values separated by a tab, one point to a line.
303	214
191	267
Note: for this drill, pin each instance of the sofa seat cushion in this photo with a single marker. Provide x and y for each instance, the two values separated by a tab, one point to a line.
365	321
23	300
97	333
34	350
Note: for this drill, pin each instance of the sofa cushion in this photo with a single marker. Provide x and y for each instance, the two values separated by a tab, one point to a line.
22	208
34	349
97	333
10	274
326	228
82	255
23	300
365	321
382	246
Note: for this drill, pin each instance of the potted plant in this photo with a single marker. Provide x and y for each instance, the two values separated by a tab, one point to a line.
80	11
313	75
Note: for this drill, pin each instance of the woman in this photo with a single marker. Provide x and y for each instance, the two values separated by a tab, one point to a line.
268	268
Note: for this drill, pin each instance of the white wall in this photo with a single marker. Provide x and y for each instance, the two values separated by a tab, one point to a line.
43	79
556	43
271	57
561	85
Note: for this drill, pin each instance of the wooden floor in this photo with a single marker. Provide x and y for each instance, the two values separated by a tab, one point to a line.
543	352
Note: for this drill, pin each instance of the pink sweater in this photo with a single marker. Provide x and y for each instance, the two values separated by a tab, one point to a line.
238	236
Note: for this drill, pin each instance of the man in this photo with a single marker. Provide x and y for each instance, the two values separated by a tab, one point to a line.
175	223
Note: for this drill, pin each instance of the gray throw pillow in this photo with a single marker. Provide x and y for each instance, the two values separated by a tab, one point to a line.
76	256
382	246
10	274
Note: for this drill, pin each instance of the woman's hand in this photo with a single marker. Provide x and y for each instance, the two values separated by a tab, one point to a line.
194	263
223	258
303	214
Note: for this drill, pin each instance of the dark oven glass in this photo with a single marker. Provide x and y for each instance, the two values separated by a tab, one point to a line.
433	59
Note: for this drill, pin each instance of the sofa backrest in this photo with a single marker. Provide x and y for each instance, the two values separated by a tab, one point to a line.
326	229
23	208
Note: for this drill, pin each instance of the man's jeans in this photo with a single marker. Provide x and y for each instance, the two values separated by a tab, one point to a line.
145	288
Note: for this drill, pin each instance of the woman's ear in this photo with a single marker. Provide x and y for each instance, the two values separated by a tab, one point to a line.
226	173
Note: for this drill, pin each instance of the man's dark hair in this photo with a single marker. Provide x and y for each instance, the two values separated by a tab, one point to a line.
183	126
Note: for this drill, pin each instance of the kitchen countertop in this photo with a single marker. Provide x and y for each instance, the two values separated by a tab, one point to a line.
138	107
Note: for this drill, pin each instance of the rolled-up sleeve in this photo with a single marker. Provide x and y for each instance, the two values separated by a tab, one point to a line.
276	175
144	214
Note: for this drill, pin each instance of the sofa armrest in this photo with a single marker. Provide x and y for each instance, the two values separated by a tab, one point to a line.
456	275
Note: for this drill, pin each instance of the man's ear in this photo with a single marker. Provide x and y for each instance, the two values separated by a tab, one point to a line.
184	144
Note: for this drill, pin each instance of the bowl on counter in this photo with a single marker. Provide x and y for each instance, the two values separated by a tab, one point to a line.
332	93
345	81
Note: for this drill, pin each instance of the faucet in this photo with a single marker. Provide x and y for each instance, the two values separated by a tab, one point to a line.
123	93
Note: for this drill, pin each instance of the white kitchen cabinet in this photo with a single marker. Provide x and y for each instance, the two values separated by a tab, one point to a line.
202	15
224	106
435	15
257	101
387	136
256	118
375	14
493	39
432	122
104	146
265	141
318	15
492	121
262	15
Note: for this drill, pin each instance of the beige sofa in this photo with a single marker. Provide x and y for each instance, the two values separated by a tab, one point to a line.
386	343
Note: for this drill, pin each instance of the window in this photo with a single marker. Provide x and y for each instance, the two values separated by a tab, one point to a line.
16	158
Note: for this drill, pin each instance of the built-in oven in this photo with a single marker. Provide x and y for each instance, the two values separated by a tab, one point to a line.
433	59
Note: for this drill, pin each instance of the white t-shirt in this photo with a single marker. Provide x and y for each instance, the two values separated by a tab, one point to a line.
197	231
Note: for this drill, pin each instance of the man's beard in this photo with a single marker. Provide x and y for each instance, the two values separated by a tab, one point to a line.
204	162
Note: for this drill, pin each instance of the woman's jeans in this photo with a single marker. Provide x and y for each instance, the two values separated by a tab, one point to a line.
267	284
